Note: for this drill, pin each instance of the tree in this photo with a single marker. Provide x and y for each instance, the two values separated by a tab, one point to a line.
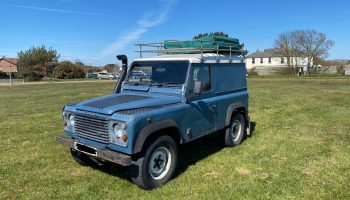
287	45
302	44
213	33
112	68
315	45
79	62
3	74
37	62
91	69
87	68
68	70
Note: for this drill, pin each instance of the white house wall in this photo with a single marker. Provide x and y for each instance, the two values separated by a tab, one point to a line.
275	62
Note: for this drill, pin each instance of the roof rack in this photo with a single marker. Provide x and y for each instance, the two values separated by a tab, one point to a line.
159	48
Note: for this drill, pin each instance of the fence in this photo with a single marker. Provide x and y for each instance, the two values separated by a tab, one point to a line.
7	81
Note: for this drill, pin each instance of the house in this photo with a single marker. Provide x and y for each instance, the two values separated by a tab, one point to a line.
266	62
8	65
347	69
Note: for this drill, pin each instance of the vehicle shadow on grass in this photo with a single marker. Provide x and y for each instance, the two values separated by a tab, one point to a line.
200	149
190	154
113	170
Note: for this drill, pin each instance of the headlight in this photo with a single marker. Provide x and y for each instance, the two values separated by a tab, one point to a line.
68	121
117	130
118	134
71	120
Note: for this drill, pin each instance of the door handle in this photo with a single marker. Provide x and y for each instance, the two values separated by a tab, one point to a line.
213	106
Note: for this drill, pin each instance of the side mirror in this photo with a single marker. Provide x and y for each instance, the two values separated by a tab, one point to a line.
197	87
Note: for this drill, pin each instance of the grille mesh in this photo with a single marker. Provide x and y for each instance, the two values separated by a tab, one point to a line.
91	128
104	103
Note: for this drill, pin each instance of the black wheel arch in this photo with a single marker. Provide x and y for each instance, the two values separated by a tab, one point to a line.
164	127
236	107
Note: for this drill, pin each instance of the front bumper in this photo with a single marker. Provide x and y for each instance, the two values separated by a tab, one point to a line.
104	154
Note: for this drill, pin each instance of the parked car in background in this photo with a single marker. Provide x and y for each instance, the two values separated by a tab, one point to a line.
139	75
113	75
102	75
91	75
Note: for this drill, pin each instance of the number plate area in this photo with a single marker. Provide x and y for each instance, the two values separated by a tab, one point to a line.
85	149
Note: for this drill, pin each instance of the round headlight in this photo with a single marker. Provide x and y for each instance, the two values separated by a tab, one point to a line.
71	120
117	129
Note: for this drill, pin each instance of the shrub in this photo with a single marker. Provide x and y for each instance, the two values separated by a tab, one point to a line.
252	72
3	75
68	70
286	71
32	74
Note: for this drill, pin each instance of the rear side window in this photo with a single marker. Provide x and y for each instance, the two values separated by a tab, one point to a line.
228	77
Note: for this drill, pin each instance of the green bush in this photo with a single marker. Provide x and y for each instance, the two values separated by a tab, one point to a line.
252	72
3	75
32	74
68	70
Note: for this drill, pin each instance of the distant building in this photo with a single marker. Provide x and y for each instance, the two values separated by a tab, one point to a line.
8	65
266	62
347	70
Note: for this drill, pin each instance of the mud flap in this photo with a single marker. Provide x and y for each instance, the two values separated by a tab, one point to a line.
248	129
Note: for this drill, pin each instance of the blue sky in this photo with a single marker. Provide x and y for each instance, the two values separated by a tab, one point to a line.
95	31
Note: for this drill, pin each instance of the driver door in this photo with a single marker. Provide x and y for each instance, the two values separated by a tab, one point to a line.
202	115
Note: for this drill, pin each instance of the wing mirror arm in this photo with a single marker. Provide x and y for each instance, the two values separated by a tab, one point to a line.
197	89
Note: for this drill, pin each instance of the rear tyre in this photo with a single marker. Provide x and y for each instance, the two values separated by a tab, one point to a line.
235	132
157	163
81	158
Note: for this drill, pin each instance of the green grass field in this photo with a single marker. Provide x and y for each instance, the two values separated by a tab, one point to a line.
300	148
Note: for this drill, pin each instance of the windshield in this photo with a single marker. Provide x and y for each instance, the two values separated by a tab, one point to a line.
158	72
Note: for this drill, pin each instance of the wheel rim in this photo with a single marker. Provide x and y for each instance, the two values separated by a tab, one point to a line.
159	163
236	129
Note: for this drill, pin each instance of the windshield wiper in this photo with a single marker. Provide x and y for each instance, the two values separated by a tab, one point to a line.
164	84
156	84
137	83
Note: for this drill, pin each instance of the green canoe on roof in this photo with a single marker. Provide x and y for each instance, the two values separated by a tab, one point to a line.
206	42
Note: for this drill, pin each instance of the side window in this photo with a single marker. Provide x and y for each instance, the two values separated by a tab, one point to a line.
202	74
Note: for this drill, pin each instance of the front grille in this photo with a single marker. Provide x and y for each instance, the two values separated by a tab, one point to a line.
91	127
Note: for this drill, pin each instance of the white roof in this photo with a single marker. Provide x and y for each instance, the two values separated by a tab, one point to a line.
197	58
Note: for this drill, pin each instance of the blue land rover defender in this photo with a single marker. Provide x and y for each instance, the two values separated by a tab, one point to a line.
186	93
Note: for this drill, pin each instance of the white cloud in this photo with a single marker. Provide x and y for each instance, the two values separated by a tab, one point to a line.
122	41
148	21
65	11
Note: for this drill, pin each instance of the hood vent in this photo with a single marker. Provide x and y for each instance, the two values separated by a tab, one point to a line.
141	110
112	101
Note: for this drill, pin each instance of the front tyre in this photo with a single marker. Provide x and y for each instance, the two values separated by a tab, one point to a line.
235	132
157	164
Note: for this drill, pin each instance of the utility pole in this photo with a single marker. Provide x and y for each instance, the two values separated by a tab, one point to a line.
10	75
